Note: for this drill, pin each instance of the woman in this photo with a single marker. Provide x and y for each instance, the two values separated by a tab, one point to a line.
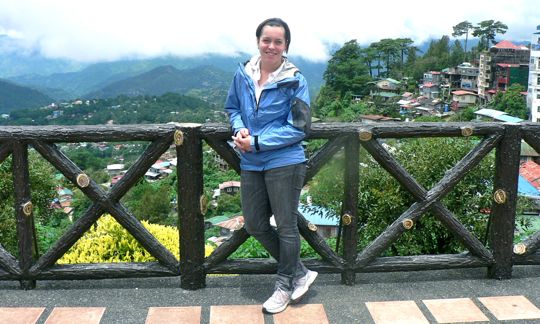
268	107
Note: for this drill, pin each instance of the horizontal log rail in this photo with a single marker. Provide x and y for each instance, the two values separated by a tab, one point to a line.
498	256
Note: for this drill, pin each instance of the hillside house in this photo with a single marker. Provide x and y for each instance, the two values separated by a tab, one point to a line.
528	153
388	84
326	220
464	98
487	114
116	178
370	119
115	169
159	170
531	171
230	225
229	187
503	65
434	77
430	90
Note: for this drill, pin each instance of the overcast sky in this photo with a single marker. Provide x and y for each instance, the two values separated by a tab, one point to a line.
95	30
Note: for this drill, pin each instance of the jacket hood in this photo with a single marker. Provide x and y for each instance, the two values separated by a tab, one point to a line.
288	70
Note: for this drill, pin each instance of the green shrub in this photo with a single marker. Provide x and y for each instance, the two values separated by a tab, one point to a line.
382	200
42	191
108	241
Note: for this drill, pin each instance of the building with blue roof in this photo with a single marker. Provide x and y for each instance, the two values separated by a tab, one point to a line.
325	219
496	115
525	188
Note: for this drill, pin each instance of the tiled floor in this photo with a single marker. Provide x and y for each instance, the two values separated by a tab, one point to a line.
462	310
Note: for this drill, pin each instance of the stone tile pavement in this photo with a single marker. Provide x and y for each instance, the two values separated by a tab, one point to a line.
445	296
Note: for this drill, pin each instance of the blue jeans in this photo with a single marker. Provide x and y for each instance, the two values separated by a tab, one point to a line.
277	192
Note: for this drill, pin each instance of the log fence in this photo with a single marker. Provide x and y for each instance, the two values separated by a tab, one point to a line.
498	256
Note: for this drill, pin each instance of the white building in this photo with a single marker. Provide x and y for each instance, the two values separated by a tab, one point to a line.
115	169
533	92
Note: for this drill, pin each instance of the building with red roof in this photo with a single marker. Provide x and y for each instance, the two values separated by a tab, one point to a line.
503	65
530	170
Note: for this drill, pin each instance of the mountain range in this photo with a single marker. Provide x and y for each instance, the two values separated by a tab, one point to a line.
13	96
207	80
206	76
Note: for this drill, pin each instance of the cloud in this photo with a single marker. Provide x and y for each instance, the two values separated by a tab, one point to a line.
109	30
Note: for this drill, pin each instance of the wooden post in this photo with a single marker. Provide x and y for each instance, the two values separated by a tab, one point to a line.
23	209
190	205
503	211
349	211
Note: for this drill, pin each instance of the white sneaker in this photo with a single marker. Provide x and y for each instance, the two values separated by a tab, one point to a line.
277	302
301	285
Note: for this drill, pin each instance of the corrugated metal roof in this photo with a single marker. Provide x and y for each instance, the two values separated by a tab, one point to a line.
489	112
232	224
530	170
506	44
508	119
217	219
385	94
527	150
463	92
526	188
319	215
227	184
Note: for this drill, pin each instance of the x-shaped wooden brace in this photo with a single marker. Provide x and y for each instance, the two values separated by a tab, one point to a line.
7	260
105	202
426	200
313	238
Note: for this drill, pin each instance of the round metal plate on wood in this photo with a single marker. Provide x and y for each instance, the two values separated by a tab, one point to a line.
178	137
466	131
365	135
407	223
312	227
83	180
27	208
499	196
520	248
347	219
203	204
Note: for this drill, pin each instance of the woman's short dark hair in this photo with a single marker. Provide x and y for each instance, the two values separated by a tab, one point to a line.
275	22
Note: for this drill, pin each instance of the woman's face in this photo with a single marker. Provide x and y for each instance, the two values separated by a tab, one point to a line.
271	46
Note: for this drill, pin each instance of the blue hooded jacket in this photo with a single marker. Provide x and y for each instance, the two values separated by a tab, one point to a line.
277	123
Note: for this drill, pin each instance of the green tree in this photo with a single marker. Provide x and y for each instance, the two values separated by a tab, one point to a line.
463	28
512	102
436	58
487	30
457	54
369	55
346	72
42	192
465	114
382	199
226	205
404	44
390	50
150	201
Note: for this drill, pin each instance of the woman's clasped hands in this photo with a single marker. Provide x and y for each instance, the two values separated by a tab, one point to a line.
242	140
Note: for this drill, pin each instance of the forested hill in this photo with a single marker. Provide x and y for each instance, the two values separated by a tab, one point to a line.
203	81
170	107
13	96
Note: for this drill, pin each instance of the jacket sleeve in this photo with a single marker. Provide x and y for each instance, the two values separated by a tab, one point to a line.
232	105
296	127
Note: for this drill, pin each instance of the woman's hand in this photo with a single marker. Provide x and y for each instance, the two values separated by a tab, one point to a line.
242	140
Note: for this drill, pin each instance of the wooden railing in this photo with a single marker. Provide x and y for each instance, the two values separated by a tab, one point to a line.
193	267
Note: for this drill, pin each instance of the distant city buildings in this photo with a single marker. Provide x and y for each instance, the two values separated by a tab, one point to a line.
500	67
533	89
